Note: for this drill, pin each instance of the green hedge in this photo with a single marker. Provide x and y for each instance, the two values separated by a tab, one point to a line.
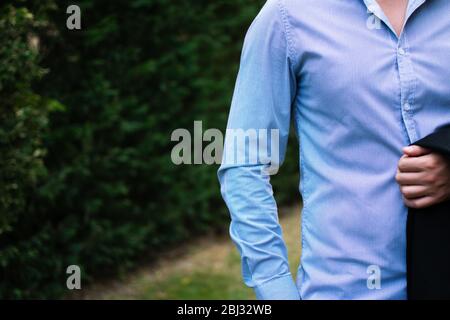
96	186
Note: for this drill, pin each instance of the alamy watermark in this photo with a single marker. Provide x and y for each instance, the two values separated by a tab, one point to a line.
374	278
73	21
239	147
73	281
373	22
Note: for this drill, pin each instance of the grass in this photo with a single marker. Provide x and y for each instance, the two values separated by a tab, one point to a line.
208	268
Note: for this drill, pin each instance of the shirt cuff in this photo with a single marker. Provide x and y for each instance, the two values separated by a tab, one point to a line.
281	288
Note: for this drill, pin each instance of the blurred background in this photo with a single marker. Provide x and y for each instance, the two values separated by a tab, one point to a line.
86	176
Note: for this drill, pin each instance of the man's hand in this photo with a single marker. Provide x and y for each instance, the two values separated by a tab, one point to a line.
424	177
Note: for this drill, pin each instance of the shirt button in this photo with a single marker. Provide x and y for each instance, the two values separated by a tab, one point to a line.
407	106
401	51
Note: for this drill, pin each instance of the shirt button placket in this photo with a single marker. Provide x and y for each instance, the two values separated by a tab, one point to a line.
407	87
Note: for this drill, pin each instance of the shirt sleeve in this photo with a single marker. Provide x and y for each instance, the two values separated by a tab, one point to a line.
262	99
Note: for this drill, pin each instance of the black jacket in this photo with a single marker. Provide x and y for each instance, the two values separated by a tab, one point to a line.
428	237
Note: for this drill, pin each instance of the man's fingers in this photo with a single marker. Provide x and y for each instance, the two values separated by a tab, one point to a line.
419	203
410	178
415	151
413	192
416	164
423	177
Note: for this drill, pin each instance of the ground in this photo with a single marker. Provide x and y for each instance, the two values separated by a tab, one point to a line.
206	268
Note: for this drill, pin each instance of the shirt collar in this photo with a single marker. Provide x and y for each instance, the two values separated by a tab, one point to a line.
374	7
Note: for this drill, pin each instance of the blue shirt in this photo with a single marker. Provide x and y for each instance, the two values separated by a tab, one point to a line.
357	94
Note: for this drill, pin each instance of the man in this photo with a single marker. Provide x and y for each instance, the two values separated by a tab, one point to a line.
361	80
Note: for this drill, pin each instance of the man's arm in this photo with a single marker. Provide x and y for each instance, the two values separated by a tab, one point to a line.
264	92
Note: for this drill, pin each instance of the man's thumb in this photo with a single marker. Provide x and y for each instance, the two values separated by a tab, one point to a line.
415	151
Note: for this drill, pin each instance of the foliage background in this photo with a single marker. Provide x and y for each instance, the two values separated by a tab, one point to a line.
85	123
